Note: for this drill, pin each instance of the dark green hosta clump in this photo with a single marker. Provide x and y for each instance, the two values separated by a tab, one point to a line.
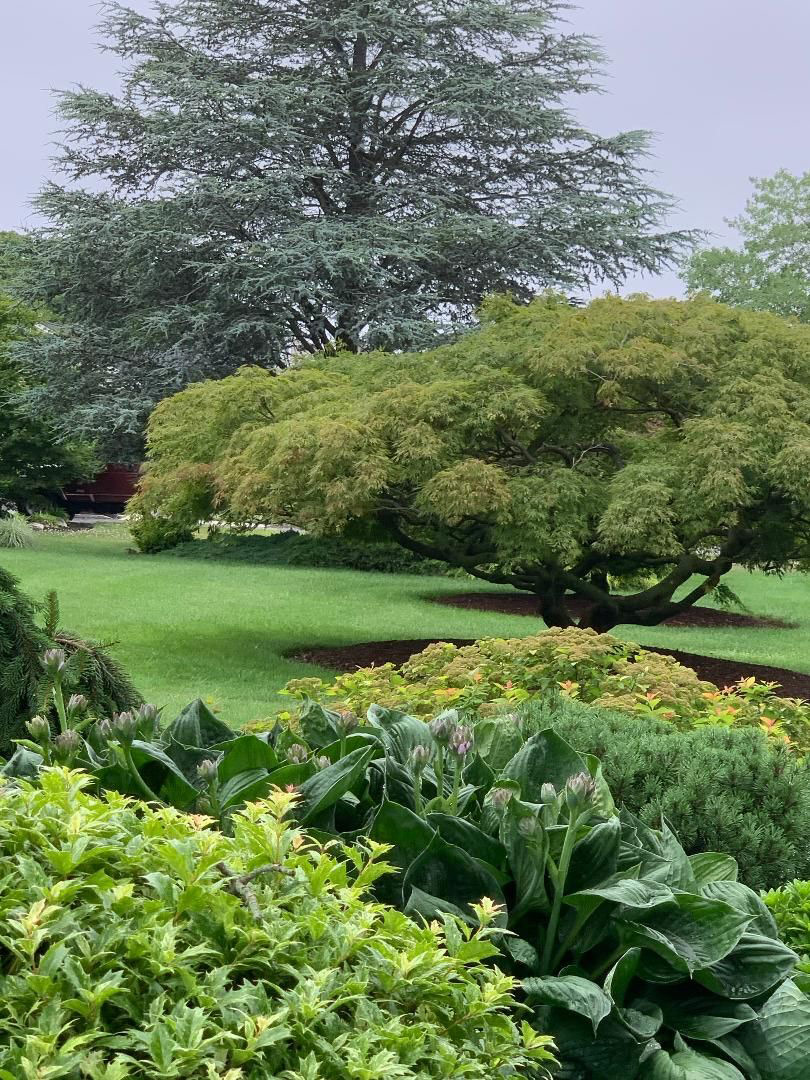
643	962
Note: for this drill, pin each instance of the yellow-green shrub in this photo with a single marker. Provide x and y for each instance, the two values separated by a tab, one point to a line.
595	668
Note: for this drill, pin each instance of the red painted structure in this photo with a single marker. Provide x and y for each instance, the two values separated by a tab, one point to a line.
108	493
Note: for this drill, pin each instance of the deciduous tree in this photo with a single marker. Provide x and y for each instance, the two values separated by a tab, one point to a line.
624	455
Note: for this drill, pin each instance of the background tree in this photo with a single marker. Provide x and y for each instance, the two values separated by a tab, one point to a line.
33	464
624	455
771	272
280	176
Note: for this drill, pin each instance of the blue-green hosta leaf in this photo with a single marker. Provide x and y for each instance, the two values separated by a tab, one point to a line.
244	787
779	1041
318	726
688	1065
755	966
326	786
642	1018
243	753
409	835
613	1054
197	726
595	856
569	992
448	873
464	834
171	785
543	759
703	1016
399	732
708	866
497	740
527	857
620	976
602	798
742	898
628	891
23	764
681	875
352	742
690	933
522	952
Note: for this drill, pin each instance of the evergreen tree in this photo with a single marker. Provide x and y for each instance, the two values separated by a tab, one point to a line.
275	177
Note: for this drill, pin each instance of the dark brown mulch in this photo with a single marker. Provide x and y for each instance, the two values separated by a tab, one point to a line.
709	668
519	603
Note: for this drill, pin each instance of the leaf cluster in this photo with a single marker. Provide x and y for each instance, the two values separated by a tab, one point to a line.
627	453
593	668
640	960
130	950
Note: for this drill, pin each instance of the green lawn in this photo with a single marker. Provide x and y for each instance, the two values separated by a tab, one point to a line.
186	628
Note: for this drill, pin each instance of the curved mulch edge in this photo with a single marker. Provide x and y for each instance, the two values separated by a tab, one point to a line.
709	668
519	603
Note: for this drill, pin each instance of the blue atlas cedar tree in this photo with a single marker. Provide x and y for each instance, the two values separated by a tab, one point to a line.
277	177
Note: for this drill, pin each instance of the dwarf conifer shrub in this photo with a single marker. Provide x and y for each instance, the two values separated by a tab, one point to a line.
731	789
141	944
23	681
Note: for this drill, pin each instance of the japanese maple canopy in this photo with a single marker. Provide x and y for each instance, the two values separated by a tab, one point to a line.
629	443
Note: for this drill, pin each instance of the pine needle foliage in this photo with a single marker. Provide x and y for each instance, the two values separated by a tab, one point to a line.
732	789
23	686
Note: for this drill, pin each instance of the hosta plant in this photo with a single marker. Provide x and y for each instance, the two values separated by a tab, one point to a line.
141	944
643	962
594	668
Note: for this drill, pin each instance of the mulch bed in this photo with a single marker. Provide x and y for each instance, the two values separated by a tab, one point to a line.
709	668
518	603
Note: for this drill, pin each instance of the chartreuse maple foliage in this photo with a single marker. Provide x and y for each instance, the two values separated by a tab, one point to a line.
618	452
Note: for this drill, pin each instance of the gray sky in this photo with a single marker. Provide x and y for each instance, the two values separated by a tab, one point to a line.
725	84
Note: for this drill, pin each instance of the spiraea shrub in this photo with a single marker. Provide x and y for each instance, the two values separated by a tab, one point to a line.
138	944
595	668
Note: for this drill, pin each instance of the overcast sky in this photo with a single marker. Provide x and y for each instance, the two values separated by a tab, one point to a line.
725	84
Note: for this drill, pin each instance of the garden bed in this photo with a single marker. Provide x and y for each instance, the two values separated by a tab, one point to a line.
519	603
710	668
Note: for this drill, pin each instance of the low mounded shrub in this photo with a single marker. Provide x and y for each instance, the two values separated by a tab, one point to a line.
297	549
595	668
141	944
731	789
790	907
153	534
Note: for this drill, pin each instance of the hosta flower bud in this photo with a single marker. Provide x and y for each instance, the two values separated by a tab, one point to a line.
104	729
461	741
125	727
322	762
207	770
147	718
54	661
579	791
39	729
297	754
420	756
348	721
77	705
548	793
500	796
67	745
442	726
